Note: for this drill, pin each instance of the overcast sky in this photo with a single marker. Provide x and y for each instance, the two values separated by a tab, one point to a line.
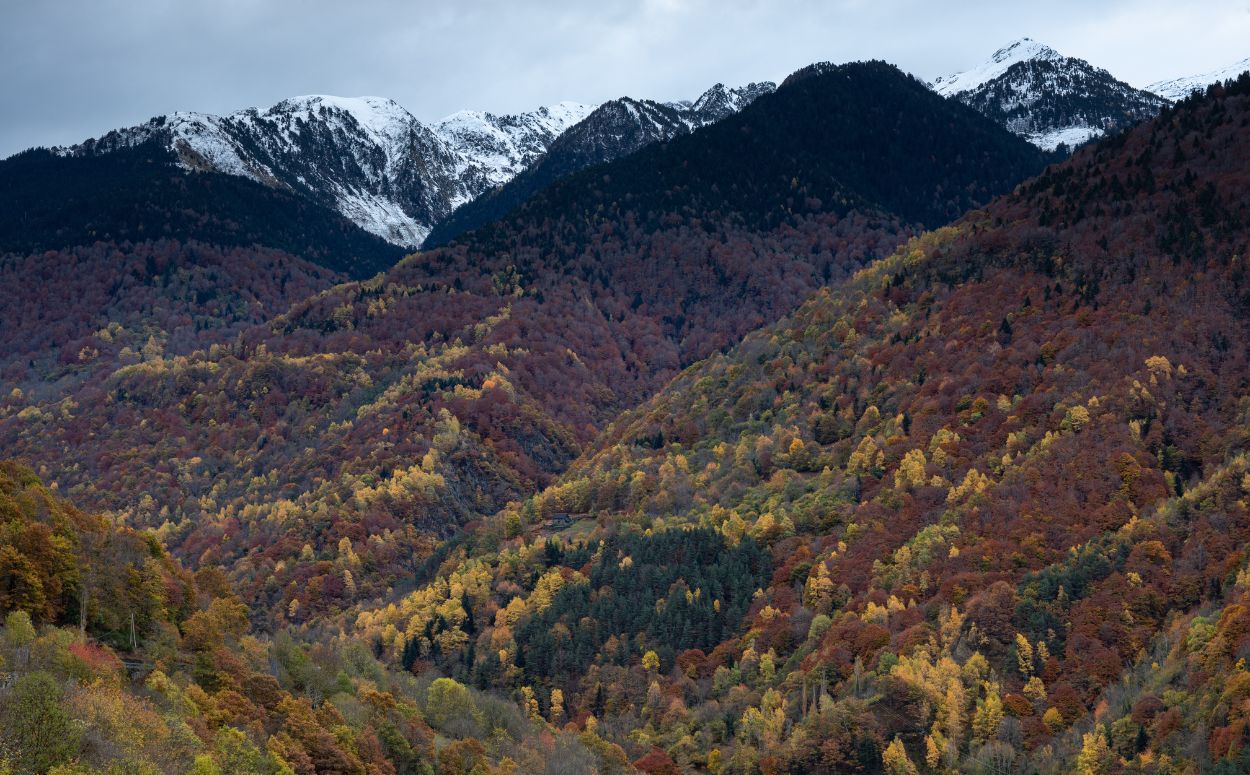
70	69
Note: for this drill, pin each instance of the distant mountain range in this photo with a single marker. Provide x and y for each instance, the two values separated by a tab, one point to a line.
395	177
424	184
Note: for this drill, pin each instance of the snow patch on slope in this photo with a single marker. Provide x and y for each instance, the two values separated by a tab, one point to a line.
1071	136
381	216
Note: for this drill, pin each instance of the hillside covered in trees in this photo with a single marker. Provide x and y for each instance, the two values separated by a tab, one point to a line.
1000	478
64	309
116	658
102	256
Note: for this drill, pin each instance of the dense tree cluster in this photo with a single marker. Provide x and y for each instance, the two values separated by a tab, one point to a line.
63	310
669	592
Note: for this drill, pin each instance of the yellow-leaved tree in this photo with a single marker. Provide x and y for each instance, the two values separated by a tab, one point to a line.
896	761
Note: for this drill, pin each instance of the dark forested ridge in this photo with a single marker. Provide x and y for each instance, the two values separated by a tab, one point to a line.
50	202
859	146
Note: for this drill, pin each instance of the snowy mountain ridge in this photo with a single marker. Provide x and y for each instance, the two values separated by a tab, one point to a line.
1180	88
399	178
1022	50
493	149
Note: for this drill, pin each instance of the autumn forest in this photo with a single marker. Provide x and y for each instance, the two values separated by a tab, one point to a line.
851	433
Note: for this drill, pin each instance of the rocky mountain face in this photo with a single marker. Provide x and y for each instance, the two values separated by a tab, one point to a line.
1048	98
366	157
495	148
615	129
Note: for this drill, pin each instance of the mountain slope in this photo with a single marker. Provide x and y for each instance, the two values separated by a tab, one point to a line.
395	410
1180	88
1048	98
999	473
61	310
983	506
50	202
613	130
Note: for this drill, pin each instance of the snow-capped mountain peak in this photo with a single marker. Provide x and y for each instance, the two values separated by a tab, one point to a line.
1180	88
1022	50
375	113
1048	98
